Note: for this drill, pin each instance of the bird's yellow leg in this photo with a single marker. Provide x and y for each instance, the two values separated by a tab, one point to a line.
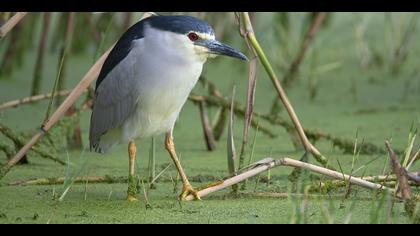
187	188
132	183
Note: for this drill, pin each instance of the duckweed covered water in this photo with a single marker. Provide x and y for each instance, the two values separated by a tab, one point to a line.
381	106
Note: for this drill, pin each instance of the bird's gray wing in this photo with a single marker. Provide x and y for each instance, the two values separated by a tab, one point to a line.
115	100
116	94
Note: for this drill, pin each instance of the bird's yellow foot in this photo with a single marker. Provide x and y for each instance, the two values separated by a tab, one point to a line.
131	198
187	189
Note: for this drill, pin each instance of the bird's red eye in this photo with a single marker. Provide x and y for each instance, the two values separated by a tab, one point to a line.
193	36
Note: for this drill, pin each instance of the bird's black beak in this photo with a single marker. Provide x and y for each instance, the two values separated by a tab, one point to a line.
218	48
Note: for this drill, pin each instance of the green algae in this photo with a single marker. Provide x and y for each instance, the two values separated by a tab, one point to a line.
333	110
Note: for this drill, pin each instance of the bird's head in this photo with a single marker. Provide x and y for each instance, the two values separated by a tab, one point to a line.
191	36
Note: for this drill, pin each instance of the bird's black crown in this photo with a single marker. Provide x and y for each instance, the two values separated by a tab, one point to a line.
180	24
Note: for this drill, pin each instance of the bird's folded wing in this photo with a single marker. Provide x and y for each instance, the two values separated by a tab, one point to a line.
115	100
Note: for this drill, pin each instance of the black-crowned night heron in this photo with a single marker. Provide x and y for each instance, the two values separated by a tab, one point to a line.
145	82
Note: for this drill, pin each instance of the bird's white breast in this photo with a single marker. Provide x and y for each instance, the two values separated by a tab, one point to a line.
165	74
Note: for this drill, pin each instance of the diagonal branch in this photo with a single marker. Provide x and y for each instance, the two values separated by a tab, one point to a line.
19	142
282	95
11	23
89	77
269	163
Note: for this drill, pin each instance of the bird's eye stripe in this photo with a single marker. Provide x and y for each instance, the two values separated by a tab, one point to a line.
193	36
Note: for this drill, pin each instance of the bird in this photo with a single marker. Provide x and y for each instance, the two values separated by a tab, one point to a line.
146	80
